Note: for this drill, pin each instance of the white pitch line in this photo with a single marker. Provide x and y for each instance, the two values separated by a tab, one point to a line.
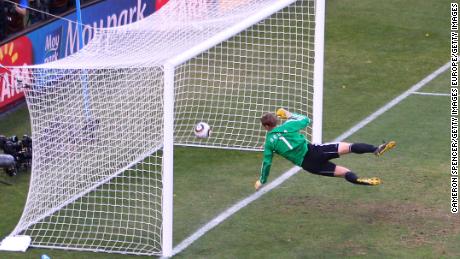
246	201
431	94
393	102
233	209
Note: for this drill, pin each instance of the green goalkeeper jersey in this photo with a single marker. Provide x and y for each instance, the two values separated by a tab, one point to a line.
287	141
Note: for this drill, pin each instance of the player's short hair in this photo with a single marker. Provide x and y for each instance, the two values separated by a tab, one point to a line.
269	119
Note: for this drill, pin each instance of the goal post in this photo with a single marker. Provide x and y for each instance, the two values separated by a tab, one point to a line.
318	74
105	184
168	162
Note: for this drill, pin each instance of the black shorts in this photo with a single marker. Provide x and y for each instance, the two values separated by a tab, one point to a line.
316	160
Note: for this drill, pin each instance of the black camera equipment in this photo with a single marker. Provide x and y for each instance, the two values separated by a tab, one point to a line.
8	164
19	150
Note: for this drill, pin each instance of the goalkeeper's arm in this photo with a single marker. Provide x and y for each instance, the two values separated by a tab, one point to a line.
265	170
296	121
283	113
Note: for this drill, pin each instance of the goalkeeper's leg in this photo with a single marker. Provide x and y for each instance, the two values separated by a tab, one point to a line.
361	148
330	169
316	161
341	171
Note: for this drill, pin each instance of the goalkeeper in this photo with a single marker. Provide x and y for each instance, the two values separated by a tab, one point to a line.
287	141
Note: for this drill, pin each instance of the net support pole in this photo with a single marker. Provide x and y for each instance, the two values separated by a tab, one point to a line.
317	127
168	163
84	78
79	24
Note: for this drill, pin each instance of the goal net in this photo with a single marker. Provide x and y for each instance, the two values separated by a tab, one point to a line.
104	121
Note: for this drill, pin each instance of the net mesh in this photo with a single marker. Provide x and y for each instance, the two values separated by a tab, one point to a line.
97	116
267	66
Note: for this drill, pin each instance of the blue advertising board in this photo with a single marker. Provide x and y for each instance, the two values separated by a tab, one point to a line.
60	38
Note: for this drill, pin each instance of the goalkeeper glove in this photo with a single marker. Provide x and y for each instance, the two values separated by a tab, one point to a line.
283	114
258	185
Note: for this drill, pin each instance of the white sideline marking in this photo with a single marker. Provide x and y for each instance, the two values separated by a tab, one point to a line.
393	102
432	94
243	203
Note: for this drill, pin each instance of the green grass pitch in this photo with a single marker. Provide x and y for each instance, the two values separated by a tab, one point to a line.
375	50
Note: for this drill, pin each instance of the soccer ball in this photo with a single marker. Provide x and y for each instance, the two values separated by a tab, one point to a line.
202	130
